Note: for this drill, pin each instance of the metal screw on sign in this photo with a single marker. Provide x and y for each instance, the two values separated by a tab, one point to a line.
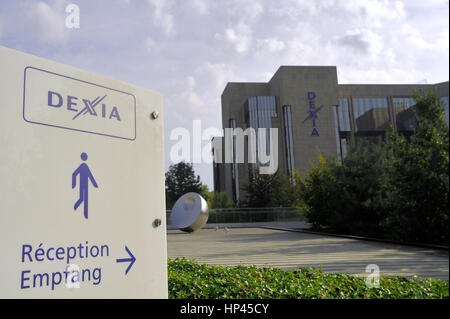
154	115
157	223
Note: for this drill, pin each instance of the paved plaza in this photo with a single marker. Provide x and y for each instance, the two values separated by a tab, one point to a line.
291	250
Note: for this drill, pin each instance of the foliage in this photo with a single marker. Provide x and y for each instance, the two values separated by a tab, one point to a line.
345	198
181	179
188	279
417	183
396	189
220	200
271	190
205	193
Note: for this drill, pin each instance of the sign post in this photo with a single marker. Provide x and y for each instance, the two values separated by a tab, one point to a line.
81	183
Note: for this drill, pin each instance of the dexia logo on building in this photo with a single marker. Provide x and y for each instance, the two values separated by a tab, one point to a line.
313	112
59	101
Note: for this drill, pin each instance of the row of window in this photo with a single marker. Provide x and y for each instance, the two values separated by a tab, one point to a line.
259	113
370	114
373	114
260	110
289	141
444	104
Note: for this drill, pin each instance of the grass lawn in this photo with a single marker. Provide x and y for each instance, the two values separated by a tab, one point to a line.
188	279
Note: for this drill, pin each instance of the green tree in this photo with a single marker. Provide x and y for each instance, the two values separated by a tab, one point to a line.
345	198
271	190
417	184
181	179
286	192
205	193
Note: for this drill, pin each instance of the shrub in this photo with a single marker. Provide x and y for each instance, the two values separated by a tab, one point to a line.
271	190
188	279
345	198
220	200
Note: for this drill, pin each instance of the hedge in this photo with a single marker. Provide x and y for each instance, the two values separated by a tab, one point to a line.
191	280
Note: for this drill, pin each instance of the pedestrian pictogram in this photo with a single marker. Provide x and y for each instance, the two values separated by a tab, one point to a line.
85	175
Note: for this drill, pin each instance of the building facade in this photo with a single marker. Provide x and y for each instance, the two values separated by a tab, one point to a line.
311	114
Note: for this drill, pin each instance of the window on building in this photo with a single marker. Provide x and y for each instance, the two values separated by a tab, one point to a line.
404	113
444	103
260	111
234	167
371	114
287	116
344	147
343	116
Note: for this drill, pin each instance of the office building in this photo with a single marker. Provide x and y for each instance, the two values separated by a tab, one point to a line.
313	114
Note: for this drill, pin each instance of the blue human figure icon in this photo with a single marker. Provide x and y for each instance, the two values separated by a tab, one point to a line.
85	176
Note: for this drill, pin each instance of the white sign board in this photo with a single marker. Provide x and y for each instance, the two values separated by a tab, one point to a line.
81	184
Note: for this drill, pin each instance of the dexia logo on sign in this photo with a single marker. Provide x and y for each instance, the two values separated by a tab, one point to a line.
55	100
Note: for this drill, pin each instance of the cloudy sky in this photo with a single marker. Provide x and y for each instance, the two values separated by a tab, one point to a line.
190	49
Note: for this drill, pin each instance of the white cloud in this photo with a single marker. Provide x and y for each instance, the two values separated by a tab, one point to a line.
216	75
149	44
442	43
197	46
374	13
190	98
408	30
246	10
193	101
190	82
271	45
239	32
200	6
295	9
49	20
239	37
162	16
428	4
414	36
